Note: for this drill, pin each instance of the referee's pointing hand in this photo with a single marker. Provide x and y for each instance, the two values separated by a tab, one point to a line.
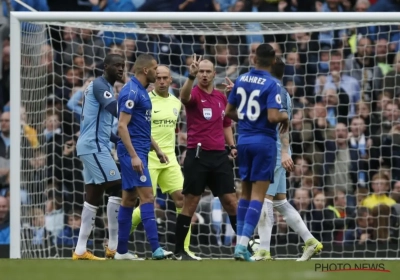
137	165
194	67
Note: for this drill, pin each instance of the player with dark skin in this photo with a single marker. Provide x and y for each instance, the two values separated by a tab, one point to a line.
100	171
113	71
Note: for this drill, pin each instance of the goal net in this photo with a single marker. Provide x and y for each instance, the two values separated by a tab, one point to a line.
340	71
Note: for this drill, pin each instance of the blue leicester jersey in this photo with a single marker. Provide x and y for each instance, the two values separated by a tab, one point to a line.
285	98
96	121
135	101
253	94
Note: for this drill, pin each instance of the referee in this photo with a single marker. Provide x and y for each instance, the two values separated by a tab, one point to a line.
206	163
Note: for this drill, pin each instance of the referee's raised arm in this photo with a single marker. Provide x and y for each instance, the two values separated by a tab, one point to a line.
186	90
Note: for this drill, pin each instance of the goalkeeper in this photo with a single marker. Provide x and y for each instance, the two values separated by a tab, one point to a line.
276	194
166	108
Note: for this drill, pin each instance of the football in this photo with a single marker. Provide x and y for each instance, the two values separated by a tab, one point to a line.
254	244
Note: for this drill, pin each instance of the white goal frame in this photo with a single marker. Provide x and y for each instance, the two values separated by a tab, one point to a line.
64	17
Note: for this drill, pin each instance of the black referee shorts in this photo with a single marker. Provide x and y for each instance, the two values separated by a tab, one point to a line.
212	169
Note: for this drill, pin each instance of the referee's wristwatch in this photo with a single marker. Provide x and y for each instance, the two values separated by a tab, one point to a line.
232	147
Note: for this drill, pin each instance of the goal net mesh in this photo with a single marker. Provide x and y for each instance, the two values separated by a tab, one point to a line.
345	130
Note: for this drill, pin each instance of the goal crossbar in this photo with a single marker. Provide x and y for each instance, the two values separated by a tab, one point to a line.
207	17
16	18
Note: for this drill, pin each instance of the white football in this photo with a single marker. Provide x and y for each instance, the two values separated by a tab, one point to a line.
254	244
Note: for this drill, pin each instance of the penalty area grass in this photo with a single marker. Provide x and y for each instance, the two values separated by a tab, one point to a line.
174	270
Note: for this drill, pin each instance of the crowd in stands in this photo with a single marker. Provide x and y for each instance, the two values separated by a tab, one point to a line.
345	131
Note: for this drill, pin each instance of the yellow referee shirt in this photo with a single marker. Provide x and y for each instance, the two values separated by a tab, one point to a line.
164	117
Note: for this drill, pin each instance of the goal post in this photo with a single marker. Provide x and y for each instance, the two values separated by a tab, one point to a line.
181	24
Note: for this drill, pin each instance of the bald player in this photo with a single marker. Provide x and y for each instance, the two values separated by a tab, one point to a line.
169	178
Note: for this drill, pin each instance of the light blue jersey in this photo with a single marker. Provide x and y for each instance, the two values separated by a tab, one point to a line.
279	184
96	121
285	97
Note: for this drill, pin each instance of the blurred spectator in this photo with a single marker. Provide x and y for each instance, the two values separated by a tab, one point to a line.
5	77
362	233
391	81
332	38
359	147
338	168
38	5
395	193
39	233
340	81
338	205
86	43
360	66
157	6
69	235
281	233
380	185
165	48
302	202
112	6
4	221
54	213
385	6
197	5
227	5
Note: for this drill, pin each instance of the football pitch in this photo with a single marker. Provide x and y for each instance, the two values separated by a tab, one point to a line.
204	270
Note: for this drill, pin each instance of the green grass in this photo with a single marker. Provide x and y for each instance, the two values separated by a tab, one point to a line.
172	270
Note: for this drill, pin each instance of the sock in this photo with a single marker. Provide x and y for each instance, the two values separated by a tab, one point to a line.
186	243
124	226
251	221
87	221
265	225
293	219
241	214
150	225
136	219
233	221
182	229
112	215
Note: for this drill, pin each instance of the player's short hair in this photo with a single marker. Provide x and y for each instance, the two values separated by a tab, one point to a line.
109	59
142	61
265	55
278	68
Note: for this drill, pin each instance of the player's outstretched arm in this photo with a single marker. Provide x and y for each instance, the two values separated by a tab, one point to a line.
123	132
186	90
